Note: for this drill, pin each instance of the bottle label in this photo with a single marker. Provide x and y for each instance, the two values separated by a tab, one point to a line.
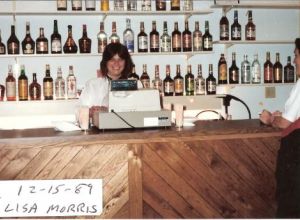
157	85
23	89
207	43
131	5
224	31
13	48
61	3
56	45
178	85
42	47
104	5
169	87
76	3
175	3
119	5
90	4
289	75
143	43
236	32
154	42
188	5
48	89
277	74
28	49
187	41
197	43
250	33
176	41
256	74
71	88
11	90
60	89
166	45
35	93
146	5
190	85
200	86
2	50
211	86
234	76
245	73
223	72
129	43
101	45
146	83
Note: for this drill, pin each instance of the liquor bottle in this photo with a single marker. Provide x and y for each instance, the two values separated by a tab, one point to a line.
236	29
11	88
131	5
186	38
268	69
71	84
142	39
188	5
42	43
224	27
256	70
104	5
146	5
289	72
207	39
211	83
178	82
277	68
102	38
119	5
84	42
128	37
145	79
61	5
197	38
48	84
90	5
157	82
60	86
161	5
245	71
165	40
222	70
175	5
2	46
34	89
176	39
23	85
70	45
56	47
2	92
234	74
154	38
114	37
28	43
133	74
189	82
200	82
13	44
168	83
250	28
76	5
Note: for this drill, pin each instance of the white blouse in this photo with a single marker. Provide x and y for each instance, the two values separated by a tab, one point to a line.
292	105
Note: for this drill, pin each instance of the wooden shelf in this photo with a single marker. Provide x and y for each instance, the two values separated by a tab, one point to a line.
231	43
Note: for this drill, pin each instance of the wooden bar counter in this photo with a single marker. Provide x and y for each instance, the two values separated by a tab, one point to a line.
217	169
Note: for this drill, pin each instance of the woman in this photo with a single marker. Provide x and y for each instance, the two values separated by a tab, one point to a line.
116	64
292	106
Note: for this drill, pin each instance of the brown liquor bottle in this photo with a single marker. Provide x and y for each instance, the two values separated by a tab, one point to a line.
236	29
222	70
2	92
70	45
186	38
133	74
84	42
157	82
56	40
211	83
176	39
42	43
161	5
289	72
168	83
224	27
13	44
234	74
48	84
268	70
175	5
76	5
207	39
28	44
189	82
197	38
277	68
61	5
250	28
142	39
35	89
154	38
11	88
23	85
2	45
145	79
114	37
178	82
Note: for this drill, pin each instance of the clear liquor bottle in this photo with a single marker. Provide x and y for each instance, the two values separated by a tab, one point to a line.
70	45
234	74
48	84
256	70
11	87
189	81
128	37
23	85
90	5
168	83
222	70
61	5
42	43
200	82
186	38
188	5
146	5
250	33
211	82
35	89
197	38
85	43
154	38
28	44
161	5
131	5
245	71
102	38
13	44
60	85
157	82
289	72
145	79
176	39
236	29
71	84
114	37
165	40
207	39
277	68
56	47
133	74
268	69
76	5
178	82
2	46
142	39
224	27
119	5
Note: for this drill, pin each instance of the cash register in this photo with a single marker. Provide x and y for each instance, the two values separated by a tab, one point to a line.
130	107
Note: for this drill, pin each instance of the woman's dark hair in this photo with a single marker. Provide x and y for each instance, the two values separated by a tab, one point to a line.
297	43
110	51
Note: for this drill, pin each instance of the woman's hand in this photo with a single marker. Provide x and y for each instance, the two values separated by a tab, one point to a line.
266	117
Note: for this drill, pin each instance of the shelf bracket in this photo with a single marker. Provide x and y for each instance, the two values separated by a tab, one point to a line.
187	15
104	17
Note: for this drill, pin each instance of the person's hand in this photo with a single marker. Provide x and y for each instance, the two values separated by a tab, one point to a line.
277	113
94	109
266	117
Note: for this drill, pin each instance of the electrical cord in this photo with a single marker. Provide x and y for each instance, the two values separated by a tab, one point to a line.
213	111
119	116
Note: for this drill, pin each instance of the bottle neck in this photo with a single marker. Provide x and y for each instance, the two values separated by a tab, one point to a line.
55	29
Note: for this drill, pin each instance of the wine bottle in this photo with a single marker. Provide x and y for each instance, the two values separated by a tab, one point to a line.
277	68
28	45
142	39
268	69
13	43
145	79
250	28
176	39
48	84
224	27
84	42
207	39
11	87
70	45
186	38
56	40
42	43
289	72
34	89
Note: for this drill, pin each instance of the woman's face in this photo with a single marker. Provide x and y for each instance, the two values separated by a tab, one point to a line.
297	61
115	66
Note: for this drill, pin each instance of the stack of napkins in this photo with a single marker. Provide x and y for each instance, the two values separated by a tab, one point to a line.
65	126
